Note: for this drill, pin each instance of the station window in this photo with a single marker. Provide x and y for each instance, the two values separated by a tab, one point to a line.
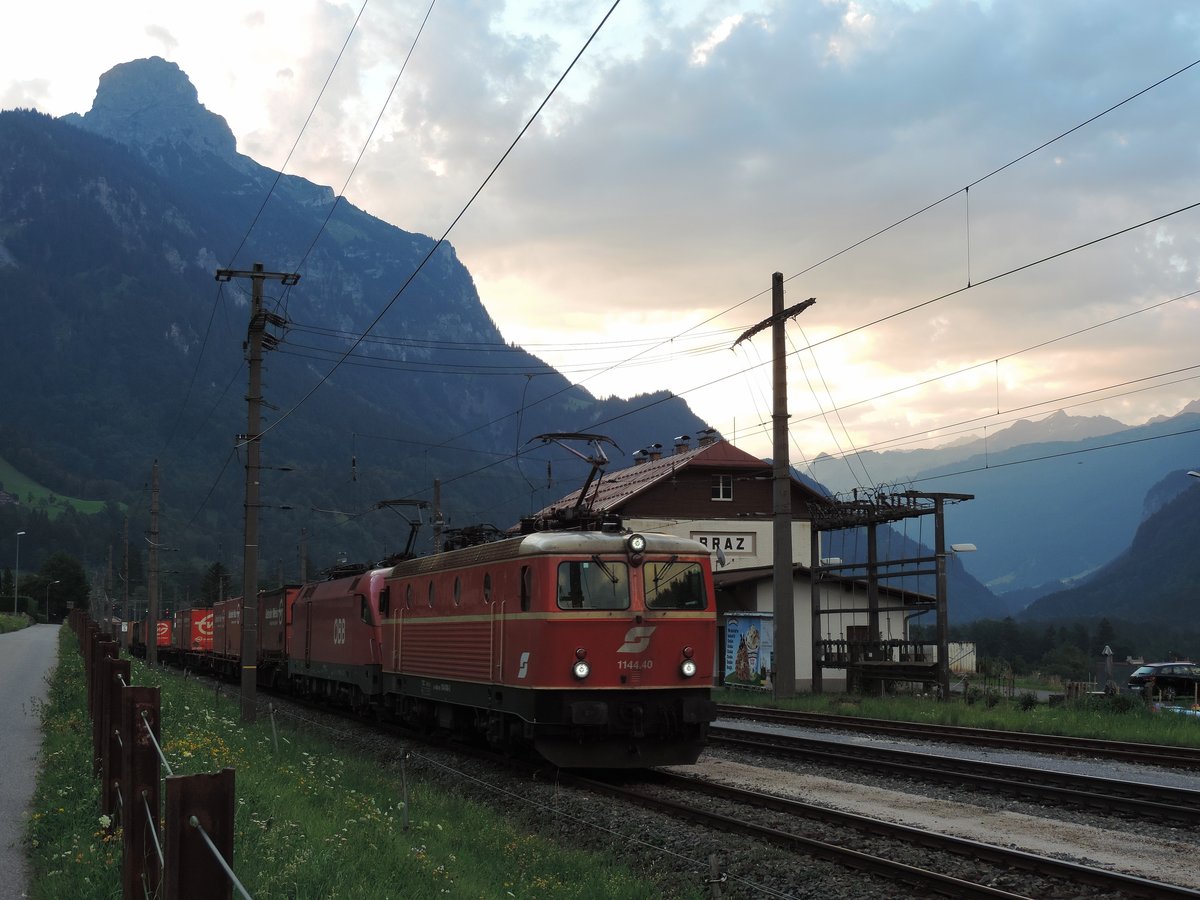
722	487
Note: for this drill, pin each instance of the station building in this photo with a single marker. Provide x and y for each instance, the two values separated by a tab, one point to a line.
723	497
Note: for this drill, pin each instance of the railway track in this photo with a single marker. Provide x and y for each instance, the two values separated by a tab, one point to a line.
1103	795
928	863
1059	745
880	848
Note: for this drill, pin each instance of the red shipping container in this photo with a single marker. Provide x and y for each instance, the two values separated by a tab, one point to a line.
275	623
227	628
193	630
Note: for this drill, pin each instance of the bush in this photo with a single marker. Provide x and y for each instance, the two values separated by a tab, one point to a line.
1027	701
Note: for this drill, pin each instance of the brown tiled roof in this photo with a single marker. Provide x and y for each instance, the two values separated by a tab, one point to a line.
615	489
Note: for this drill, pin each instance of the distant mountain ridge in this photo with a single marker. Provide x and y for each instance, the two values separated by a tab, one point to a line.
1156	579
1049	512
889	466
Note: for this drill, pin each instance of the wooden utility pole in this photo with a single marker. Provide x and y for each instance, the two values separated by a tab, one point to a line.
152	578
125	571
783	597
256	339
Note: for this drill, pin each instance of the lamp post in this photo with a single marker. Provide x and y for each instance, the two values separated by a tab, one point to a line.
17	571
50	585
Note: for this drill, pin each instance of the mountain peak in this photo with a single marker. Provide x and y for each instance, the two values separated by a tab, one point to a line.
148	101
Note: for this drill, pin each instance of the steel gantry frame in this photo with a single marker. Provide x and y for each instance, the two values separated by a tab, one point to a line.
869	510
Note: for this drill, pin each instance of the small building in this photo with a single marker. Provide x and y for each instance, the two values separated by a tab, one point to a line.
723	497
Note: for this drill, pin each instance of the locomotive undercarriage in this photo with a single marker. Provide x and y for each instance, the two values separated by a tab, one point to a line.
599	729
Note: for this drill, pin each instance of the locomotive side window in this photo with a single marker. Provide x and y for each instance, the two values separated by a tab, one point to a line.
457	590
431	594
364	609
487	587
674	585
593	584
385	601
408	595
526	588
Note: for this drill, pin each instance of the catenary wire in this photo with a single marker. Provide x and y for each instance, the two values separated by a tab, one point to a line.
253	223
441	240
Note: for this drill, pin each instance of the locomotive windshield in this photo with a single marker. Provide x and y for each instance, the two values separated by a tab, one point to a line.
593	584
674	585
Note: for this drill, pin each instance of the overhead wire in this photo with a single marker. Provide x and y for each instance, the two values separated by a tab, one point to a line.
246	235
863	241
441	240
1014	353
844	250
299	135
370	135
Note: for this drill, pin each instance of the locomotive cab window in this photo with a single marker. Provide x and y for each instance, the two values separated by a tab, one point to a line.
526	588
674	585
385	601
593	584
364	609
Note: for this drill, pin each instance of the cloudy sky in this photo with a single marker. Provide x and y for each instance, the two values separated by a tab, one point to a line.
700	145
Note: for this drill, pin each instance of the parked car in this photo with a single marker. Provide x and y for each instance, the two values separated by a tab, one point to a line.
1171	679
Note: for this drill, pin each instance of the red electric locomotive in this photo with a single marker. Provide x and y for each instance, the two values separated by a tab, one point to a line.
597	649
335	639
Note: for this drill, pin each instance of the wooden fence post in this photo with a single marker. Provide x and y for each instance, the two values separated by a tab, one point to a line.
193	872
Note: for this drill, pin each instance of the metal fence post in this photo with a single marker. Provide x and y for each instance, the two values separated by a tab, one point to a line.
116	675
194	871
139	790
102	650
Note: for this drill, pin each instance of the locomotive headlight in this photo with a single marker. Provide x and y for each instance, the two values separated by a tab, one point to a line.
581	669
637	543
687	668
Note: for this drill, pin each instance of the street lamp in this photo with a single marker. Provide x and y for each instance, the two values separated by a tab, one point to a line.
17	571
50	585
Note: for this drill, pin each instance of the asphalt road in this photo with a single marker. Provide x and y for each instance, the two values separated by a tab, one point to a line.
26	657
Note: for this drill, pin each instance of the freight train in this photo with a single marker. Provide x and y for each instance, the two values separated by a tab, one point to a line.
594	648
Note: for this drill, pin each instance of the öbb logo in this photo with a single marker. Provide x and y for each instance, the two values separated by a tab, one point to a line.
637	639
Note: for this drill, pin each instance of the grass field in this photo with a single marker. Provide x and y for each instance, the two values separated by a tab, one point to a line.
315	819
31	494
1122	718
9	622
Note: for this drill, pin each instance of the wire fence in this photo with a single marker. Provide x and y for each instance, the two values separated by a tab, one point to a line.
180	851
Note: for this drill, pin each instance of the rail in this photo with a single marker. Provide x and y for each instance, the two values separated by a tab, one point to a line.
193	834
